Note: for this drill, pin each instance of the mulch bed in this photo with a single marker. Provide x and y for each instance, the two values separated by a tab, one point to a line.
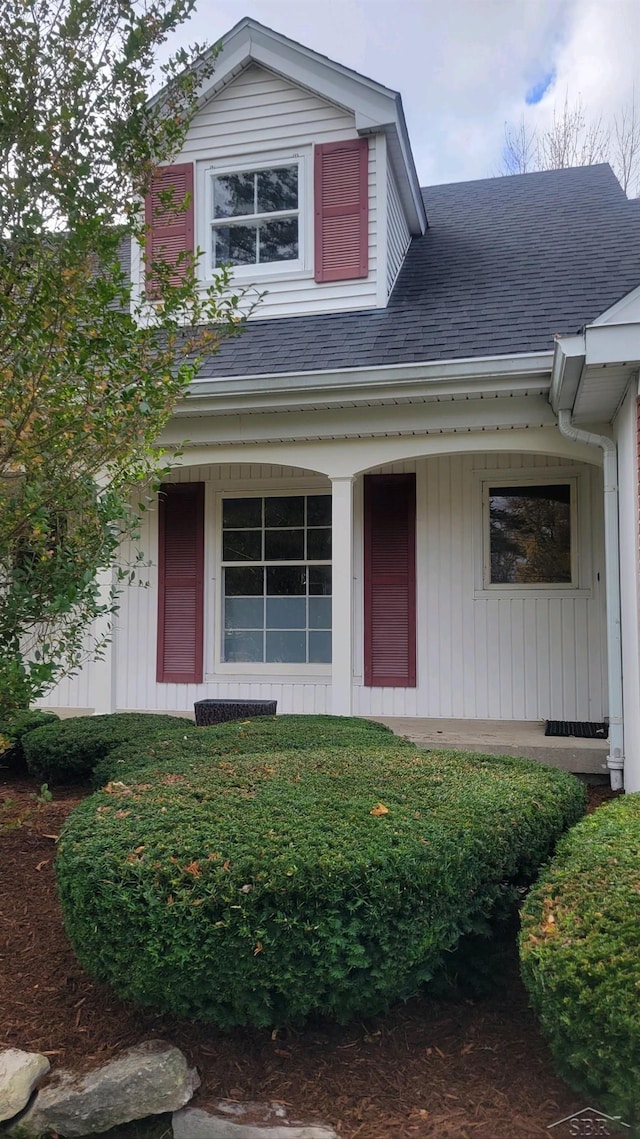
430	1069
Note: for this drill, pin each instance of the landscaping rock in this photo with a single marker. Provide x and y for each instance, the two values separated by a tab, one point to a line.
146	1080
244	1121
19	1074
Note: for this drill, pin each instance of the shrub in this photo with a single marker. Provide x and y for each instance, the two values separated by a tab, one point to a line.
13	730
69	750
244	737
260	888
580	956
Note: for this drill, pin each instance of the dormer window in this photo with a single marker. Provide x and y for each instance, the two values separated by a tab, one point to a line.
256	216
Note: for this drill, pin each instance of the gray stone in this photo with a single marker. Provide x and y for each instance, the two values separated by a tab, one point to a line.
244	1121
146	1080
19	1074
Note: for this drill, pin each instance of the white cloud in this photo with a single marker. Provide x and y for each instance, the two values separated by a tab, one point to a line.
463	67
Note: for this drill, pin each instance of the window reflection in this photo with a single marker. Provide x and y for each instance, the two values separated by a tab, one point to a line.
530	534
276	612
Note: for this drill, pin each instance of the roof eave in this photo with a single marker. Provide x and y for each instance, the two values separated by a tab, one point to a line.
606	353
504	372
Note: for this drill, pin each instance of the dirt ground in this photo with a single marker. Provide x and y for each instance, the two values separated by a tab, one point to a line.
431	1069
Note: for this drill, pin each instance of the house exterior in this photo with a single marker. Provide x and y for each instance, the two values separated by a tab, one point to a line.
391	497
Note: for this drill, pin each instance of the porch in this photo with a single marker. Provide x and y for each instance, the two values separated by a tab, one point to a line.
504	737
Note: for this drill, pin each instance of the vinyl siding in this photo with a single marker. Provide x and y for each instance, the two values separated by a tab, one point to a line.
511	657
259	113
136	687
75	693
398	236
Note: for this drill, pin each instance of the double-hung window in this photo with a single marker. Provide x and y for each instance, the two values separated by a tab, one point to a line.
276	574
254	216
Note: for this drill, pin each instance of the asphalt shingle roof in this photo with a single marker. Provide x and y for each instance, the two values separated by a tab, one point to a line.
505	264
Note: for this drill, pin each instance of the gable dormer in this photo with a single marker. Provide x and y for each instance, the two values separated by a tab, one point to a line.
303	178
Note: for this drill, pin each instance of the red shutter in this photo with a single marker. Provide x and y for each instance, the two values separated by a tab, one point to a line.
342	210
390	581
180	582
169	225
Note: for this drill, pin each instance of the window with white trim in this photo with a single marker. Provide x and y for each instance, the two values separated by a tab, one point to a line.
530	534
276	579
254	216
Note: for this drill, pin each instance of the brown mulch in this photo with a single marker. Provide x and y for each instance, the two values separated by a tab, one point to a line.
430	1069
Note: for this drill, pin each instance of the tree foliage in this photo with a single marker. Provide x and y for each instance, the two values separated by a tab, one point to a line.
89	373
577	138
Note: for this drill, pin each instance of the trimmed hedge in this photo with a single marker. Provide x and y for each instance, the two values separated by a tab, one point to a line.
244	737
262	888
15	728
580	956
69	750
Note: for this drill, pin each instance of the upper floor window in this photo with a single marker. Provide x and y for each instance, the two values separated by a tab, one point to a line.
270	216
255	216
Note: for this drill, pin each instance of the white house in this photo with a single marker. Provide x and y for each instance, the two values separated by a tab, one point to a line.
391	500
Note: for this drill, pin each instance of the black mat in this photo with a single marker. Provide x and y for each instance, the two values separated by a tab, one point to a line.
581	728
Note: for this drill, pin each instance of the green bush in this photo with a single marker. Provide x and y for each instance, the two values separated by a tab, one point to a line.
13	730
69	750
261	888
244	737
580	956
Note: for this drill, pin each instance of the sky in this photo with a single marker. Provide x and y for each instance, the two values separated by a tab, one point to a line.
464	68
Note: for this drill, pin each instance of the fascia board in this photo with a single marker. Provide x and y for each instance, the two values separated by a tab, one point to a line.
568	363
613	343
401	158
417	381
250	42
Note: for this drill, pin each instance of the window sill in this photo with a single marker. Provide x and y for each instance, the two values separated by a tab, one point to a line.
532	592
264	276
264	673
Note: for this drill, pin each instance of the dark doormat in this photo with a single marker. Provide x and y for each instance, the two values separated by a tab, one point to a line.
580	728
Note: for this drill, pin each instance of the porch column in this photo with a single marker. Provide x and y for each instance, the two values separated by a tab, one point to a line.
342	588
101	671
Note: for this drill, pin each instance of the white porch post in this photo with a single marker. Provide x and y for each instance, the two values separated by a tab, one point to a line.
102	670
342	578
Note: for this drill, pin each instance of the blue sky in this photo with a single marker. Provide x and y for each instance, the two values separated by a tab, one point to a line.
463	67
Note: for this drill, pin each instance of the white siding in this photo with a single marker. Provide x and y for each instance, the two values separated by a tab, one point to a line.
398	236
260	112
507	656
511	657
135	666
75	693
628	451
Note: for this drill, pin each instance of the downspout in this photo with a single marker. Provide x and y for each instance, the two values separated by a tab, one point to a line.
615	759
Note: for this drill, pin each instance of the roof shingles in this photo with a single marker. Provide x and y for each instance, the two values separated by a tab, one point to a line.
505	264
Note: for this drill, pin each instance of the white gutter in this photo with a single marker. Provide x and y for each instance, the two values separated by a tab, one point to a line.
615	759
535	366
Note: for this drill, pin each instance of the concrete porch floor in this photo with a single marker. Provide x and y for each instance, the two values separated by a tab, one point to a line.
504	737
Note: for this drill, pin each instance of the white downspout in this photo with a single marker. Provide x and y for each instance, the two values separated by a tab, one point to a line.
615	759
